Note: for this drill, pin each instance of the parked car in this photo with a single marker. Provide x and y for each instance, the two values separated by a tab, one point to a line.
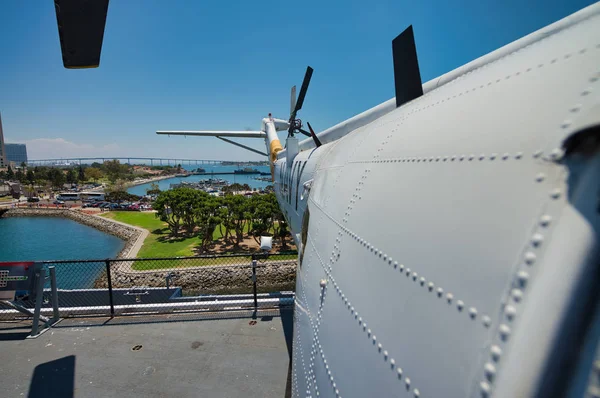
59	202
33	199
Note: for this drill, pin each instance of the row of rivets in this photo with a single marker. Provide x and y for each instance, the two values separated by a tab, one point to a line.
415	275
369	332
553	61
510	310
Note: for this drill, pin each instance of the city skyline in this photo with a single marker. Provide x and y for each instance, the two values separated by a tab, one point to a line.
202	71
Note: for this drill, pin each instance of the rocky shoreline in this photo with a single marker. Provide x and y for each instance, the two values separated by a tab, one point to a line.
223	279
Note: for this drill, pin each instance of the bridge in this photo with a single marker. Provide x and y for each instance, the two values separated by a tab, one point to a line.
128	160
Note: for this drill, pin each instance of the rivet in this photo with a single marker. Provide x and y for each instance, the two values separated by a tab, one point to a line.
504	332
462	157
359	320
399	372
407	381
545	220
392	362
485	389
522	277
415	276
422	281
517	295
487	321
473	312
323	282
460	304
505	156
540	177
510	312
385	354
530	258
555	194
401	267
493	156
587	91
440	291
368	330
395	264
537	239
374	339
417	393
449	297
557	153
430	285
537	154
496	352
408	272
481	157
471	157
490	371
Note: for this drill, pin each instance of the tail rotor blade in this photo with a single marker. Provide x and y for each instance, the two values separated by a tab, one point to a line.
305	83
293	100
314	136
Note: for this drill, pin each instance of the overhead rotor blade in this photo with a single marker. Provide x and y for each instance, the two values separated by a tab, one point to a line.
305	83
293	100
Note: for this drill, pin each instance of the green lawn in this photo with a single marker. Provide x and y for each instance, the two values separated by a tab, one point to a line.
157	245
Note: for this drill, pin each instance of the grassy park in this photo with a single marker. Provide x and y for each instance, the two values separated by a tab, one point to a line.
159	243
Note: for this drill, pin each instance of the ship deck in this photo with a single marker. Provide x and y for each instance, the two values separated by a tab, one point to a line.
178	355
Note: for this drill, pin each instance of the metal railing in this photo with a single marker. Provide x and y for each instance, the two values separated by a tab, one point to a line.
161	285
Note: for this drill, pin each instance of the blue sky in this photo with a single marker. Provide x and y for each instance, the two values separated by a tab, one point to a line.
188	65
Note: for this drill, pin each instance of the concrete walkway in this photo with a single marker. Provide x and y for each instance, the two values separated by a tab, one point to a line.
190	355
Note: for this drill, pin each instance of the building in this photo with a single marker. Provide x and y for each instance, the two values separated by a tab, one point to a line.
16	153
3	161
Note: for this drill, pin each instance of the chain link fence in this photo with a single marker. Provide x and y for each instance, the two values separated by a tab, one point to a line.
166	285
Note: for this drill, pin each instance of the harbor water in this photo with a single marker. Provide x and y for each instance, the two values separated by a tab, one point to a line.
55	238
250	179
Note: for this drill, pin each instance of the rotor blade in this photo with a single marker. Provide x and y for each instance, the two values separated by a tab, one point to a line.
407	77
293	100
313	135
306	133
80	31
208	133
305	83
242	146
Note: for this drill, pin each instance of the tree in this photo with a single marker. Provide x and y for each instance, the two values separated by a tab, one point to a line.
10	174
207	217
56	177
154	189
261	212
93	173
30	176
170	208
30	191
237	205
178	168
23	166
81	174
71	176
115	170
19	175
